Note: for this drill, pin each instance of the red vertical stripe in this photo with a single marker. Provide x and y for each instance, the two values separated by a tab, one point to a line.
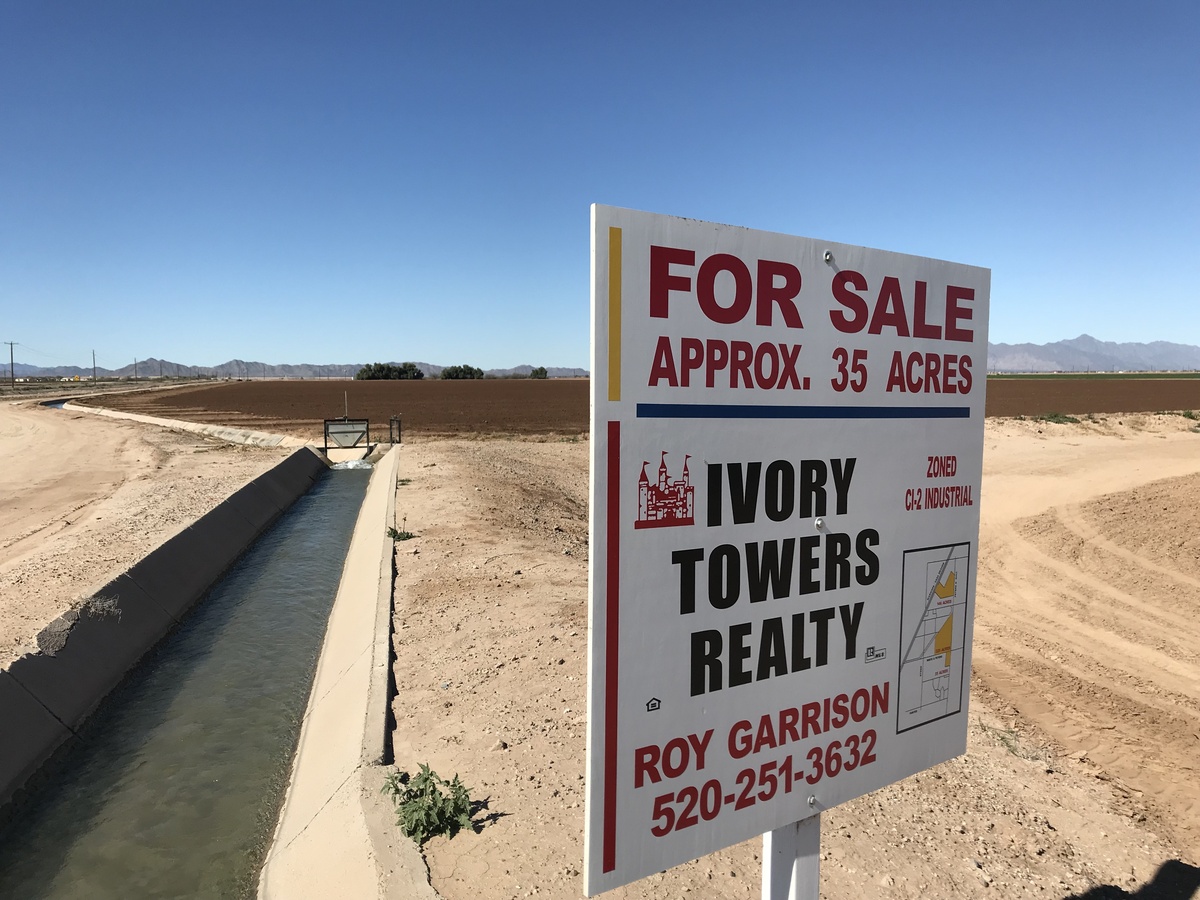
612	630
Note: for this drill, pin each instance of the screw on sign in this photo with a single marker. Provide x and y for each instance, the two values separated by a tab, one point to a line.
781	619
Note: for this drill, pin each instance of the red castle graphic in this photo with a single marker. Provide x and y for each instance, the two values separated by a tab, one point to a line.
667	502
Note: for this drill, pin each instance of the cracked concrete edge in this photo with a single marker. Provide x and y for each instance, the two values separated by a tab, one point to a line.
403	871
232	435
377	734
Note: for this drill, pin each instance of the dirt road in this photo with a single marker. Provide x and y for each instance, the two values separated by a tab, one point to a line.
1089	600
492	641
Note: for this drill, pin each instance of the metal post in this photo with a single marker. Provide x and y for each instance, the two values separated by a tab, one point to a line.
792	861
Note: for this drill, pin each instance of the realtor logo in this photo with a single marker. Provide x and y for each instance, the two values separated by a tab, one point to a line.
665	502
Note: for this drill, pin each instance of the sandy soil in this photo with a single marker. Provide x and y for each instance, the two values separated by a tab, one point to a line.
84	498
1085	718
1084	725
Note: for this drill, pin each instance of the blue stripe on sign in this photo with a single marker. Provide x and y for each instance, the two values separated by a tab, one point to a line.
748	411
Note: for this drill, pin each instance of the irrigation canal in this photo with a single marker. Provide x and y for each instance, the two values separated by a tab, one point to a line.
173	787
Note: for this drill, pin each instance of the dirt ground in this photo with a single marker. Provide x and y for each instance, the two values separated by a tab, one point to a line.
84	498
1084	726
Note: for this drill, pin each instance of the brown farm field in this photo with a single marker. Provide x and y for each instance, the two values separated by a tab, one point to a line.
491	406
528	407
1039	396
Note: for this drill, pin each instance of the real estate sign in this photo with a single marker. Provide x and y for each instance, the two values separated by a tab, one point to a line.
787	441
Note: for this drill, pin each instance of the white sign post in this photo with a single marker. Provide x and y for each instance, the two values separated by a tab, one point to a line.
787	443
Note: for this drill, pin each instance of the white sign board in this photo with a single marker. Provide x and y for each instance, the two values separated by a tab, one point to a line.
787	443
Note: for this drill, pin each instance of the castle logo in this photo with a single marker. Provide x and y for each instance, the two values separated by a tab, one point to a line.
665	503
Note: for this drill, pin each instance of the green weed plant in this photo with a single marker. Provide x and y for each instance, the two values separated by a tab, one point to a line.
428	805
401	533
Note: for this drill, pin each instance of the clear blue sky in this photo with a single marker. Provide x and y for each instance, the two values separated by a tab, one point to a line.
347	182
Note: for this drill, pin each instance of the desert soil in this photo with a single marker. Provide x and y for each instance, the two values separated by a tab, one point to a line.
84	498
1084	726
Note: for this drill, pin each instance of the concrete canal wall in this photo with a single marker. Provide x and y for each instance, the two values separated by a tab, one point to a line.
85	653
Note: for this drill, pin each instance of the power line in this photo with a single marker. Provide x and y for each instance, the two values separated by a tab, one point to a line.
38	352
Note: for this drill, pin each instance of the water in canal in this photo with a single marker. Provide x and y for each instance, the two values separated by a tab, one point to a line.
174	786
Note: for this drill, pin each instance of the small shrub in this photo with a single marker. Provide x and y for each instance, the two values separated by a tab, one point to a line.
428	805
1058	419
401	482
1190	414
401	533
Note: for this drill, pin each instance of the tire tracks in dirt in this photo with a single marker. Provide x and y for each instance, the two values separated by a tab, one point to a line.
1088	623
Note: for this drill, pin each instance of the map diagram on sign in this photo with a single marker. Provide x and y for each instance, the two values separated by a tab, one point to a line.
933	619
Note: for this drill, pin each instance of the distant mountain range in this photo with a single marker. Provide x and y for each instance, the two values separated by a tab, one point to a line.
1086	354
1081	354
239	368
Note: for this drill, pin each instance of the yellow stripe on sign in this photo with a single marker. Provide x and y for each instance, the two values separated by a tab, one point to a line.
614	314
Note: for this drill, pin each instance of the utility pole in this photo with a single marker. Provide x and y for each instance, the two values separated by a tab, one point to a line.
135	368
12	375
160	370
93	367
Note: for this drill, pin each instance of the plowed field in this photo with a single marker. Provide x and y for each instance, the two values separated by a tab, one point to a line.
499	406
1079	396
522	406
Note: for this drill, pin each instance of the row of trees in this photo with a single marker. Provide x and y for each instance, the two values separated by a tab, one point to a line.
409	372
389	372
458	373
